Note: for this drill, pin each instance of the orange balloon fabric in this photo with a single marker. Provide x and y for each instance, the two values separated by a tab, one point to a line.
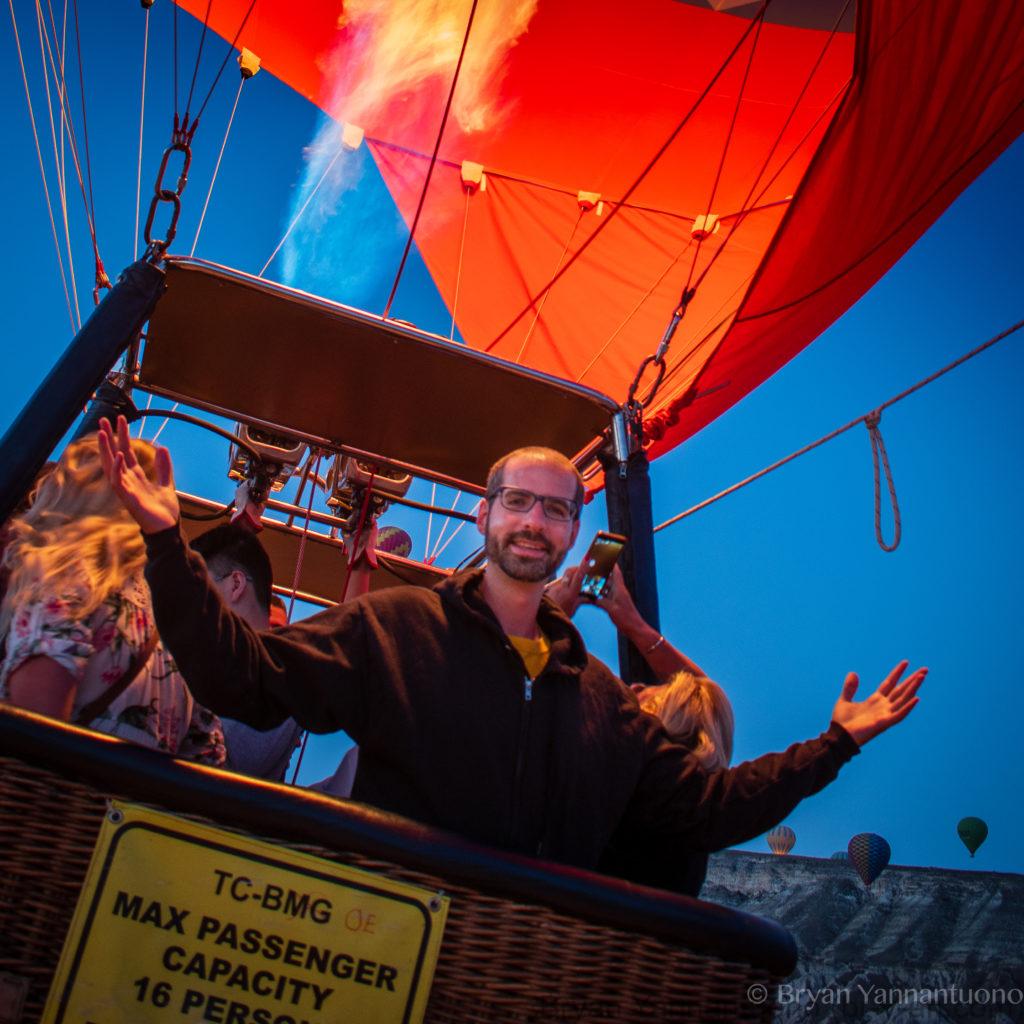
820	155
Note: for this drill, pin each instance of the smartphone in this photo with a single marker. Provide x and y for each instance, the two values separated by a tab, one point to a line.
600	559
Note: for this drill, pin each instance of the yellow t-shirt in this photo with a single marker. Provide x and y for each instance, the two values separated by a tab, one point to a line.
533	652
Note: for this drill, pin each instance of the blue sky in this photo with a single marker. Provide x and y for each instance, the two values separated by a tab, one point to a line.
778	590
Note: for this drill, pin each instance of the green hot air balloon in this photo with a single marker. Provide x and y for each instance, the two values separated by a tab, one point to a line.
972	832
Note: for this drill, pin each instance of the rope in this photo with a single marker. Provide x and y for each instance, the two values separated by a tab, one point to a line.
142	120
544	298
433	161
458	277
871	421
42	166
640	179
216	169
302	210
842	430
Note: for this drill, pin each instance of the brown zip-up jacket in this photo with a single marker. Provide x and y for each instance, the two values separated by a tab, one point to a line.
451	731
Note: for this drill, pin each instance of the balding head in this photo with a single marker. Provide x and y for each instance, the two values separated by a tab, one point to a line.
536	455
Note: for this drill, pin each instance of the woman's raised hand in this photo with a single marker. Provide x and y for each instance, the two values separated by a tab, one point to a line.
153	504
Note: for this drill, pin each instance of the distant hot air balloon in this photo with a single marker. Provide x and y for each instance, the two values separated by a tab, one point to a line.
972	832
781	839
840	855
393	540
870	853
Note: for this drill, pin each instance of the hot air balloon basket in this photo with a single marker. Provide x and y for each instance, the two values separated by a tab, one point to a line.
580	950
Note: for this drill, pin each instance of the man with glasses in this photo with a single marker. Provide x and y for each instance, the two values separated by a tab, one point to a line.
475	704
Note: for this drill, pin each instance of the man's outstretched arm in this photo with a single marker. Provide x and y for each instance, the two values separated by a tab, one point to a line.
259	678
719	809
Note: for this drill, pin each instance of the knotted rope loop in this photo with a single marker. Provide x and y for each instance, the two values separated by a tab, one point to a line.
871	421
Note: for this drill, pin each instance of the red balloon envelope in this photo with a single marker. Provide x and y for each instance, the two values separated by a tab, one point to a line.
630	151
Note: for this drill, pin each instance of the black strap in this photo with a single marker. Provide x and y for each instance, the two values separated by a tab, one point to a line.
88	712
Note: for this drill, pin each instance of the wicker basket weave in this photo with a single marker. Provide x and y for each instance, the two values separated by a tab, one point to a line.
502	959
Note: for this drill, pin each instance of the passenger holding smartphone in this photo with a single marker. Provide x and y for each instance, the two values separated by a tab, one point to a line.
665	659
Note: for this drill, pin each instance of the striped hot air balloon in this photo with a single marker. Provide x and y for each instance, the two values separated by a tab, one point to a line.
870	854
781	839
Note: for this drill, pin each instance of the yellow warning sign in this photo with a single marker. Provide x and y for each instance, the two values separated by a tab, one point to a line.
183	922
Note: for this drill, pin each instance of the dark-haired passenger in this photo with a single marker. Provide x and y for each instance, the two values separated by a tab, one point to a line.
240	570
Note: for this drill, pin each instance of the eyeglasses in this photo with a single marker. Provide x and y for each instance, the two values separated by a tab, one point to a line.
515	499
217	579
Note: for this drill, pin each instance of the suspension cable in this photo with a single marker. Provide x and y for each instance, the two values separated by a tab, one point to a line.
58	165
639	180
224	63
199	57
751	204
658	358
433	161
629	316
458	269
721	162
747	202
67	124
430	518
302	210
438	553
842	430
544	297
216	169
142	121
295	587
101	281
753	207
42	166
445	525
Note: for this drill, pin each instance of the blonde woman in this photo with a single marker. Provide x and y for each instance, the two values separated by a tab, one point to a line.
694	711
80	639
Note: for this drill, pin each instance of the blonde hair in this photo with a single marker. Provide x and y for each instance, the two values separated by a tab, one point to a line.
75	539
695	711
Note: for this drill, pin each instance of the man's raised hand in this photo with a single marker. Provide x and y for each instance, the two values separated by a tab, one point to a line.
153	504
889	704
